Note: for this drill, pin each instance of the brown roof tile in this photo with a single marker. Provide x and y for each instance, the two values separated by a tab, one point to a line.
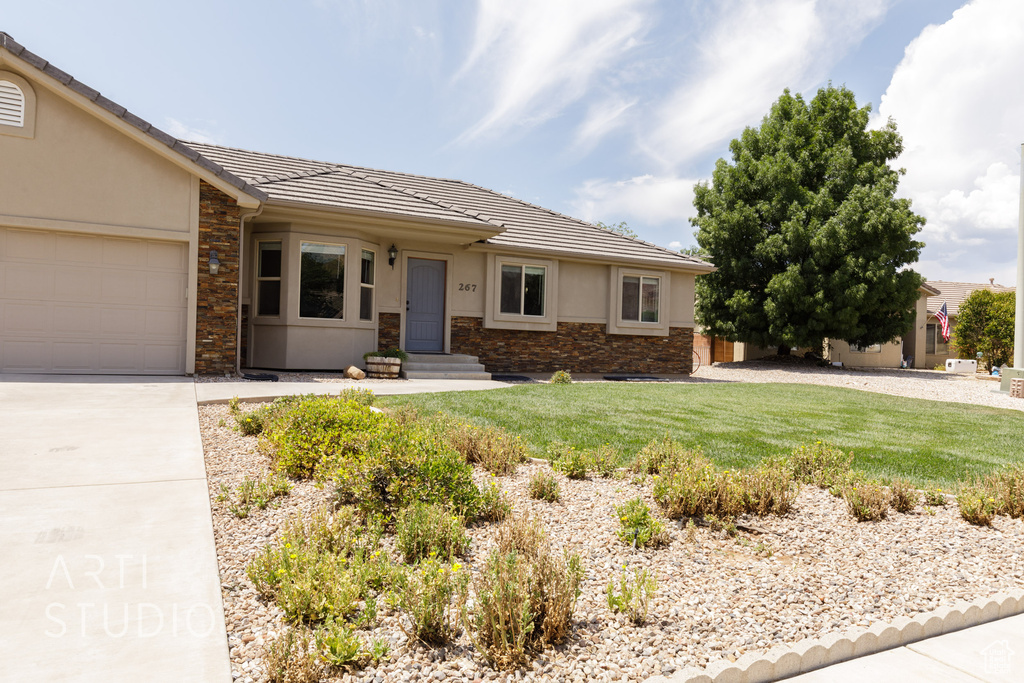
954	294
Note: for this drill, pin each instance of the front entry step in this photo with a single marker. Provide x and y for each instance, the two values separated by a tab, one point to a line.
443	366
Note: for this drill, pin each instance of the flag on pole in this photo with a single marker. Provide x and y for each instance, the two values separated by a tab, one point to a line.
943	318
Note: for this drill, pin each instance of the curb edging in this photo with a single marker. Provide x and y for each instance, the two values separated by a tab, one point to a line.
812	654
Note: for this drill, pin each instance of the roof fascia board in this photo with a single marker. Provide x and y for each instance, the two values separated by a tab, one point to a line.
694	268
164	147
278	210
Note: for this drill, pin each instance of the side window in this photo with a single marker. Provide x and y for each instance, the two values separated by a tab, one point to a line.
322	281
268	279
366	275
641	298
522	290
929	339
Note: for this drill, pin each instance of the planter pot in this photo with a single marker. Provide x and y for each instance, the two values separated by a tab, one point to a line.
383	368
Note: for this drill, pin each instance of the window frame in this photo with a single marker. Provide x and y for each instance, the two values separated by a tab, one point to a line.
522	289
372	286
617	324
874	348
933	335
298	289
495	319
259	278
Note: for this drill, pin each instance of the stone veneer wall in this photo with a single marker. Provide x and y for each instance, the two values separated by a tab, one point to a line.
389	327
574	347
217	295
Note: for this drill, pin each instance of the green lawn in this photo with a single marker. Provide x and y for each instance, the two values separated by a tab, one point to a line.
928	442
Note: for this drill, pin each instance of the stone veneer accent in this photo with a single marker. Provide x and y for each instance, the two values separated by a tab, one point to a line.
217	295
574	347
389	327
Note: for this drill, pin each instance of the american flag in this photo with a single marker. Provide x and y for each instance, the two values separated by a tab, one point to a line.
943	318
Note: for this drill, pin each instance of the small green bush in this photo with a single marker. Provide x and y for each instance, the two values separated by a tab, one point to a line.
544	487
603	460
494	504
935	498
572	463
561	377
389	353
431	594
1007	487
258	493
820	464
659	454
293	657
867	502
337	644
492	448
638	527
634	595
768	488
903	496
424	530
977	504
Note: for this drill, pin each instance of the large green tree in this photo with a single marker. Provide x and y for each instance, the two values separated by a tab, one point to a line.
805	231
984	322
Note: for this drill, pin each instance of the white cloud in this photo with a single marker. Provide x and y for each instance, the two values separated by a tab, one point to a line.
648	199
602	118
750	53
191	134
532	58
955	102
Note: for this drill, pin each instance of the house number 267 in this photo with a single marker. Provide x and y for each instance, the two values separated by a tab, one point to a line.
466	287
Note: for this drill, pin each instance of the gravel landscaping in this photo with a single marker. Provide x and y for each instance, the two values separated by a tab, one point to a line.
812	572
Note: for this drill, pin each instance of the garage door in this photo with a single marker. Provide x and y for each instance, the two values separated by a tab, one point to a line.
73	303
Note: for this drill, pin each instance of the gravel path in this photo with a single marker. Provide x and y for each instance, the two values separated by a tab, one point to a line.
928	384
813	572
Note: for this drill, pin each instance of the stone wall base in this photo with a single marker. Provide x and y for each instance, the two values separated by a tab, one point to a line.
574	347
389	327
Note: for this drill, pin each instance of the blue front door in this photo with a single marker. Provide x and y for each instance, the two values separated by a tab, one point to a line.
424	317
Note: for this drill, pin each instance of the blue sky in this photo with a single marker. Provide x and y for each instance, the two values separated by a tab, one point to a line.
609	110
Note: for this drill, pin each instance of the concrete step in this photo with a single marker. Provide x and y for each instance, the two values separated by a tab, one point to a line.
417	374
441	358
443	367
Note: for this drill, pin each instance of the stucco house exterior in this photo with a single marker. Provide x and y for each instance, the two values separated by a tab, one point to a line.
125	250
953	294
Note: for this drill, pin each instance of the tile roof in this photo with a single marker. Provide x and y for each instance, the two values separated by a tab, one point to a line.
10	45
523	225
954	294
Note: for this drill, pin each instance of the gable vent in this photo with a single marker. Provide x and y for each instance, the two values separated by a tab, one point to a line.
12	105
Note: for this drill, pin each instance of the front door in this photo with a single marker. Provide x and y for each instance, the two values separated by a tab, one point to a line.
424	306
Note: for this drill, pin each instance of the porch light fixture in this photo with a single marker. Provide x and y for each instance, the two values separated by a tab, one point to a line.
214	263
392	255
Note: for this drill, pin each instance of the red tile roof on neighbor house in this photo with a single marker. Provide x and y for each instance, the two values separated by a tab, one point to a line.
954	293
523	225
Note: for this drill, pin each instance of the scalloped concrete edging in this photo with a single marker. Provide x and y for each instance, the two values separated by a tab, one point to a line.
811	654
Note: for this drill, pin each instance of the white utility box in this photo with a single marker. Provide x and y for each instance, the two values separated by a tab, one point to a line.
961	365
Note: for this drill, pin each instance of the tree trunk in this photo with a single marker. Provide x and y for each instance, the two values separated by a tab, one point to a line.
784	349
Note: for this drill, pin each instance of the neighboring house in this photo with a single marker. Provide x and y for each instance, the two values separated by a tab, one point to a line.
953	294
124	250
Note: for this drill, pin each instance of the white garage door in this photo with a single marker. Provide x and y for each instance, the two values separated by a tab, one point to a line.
73	303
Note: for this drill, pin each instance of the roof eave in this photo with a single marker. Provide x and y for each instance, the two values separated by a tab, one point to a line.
695	268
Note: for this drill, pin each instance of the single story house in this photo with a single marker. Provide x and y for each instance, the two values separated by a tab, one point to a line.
126	250
953	294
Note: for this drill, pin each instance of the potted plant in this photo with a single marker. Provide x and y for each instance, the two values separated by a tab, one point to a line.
384	364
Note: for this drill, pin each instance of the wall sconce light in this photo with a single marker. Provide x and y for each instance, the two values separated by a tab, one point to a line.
392	255
214	263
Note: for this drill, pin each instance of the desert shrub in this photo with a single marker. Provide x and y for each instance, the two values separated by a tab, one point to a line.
820	464
977	504
658	454
845	480
524	595
935	498
867	502
543	486
603	460
572	463
430	594
638	527
492	448
425	530
633	596
405	464
494	504
404	414
259	493
903	496
293	658
252	422
768	489
337	645
561	377
1007	487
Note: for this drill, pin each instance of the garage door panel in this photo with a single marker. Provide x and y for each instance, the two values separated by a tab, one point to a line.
91	304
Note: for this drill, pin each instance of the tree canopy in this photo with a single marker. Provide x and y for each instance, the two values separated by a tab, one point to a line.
805	231
984	323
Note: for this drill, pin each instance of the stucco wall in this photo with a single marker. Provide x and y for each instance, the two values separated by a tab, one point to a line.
80	170
889	356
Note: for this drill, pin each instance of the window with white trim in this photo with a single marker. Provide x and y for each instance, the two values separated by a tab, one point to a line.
522	290
12	105
933	341
322	280
874	348
641	298
367	265
268	278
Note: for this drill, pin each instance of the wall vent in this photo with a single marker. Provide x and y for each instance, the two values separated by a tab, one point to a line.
12	105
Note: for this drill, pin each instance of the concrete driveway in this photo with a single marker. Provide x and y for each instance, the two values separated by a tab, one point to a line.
108	570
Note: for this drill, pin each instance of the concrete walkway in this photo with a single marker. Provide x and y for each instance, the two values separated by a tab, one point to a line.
992	652
248	391
108	569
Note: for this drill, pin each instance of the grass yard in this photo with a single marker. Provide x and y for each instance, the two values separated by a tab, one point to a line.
928	442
